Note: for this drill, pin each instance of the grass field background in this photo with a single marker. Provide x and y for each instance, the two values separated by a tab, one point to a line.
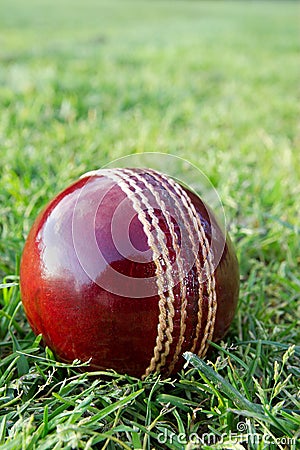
217	83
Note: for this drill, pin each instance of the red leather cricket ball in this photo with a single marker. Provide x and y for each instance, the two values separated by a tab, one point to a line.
128	269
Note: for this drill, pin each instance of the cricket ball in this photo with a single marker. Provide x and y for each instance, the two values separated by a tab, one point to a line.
128	269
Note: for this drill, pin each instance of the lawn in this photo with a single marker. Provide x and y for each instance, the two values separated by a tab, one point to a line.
216	83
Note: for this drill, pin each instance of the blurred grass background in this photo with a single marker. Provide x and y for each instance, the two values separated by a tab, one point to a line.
215	82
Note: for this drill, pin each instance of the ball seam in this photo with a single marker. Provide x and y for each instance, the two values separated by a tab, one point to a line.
209	270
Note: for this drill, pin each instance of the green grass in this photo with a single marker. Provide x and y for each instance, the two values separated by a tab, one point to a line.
217	83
